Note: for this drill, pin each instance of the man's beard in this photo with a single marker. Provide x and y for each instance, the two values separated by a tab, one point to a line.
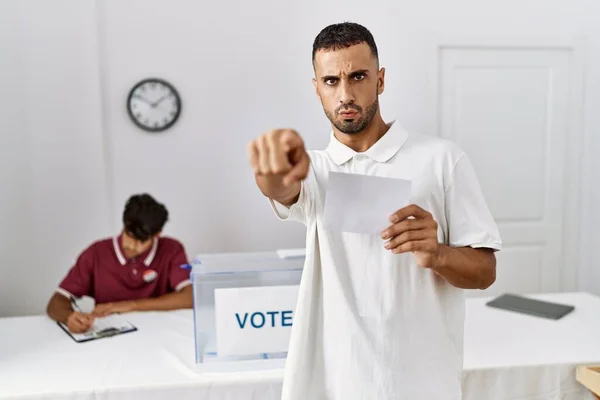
356	125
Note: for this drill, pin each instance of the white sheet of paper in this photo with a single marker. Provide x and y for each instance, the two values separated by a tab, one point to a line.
361	203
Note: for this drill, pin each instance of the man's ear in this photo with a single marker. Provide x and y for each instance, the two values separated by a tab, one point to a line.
380	81
316	86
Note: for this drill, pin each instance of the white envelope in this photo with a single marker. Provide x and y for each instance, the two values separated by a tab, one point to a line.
363	204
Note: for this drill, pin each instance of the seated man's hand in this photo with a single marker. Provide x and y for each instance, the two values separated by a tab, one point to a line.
79	322
102	310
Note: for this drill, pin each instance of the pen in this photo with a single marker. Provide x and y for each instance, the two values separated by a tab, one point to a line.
75	306
187	267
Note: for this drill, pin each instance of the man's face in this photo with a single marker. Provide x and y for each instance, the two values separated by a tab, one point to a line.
348	83
133	247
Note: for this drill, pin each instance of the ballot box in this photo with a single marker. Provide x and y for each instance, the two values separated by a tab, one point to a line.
244	308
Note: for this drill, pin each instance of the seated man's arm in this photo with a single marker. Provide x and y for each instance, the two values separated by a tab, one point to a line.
166	302
60	309
170	301
77	283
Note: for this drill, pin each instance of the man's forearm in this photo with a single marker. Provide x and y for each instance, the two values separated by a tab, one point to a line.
169	301
59	308
467	268
274	188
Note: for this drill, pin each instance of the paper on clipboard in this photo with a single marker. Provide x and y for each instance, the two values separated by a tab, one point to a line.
107	326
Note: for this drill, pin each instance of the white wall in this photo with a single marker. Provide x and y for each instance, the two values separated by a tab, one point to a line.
241	68
53	199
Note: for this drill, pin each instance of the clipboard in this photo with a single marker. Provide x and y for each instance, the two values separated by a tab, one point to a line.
103	328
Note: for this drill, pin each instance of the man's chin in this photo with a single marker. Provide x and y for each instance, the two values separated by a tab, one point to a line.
350	129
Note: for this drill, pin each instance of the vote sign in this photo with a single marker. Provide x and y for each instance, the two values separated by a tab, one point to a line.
254	320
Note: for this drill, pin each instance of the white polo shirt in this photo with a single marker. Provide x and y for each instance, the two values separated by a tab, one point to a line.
370	324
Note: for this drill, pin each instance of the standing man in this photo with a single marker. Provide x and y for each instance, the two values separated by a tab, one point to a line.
378	317
136	270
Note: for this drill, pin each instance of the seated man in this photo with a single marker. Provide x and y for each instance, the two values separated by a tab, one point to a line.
134	271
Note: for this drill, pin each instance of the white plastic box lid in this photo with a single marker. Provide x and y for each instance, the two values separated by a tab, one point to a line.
250	262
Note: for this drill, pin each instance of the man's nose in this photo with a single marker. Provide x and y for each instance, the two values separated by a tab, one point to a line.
346	94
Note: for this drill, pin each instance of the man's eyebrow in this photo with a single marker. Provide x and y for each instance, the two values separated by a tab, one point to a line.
351	74
359	72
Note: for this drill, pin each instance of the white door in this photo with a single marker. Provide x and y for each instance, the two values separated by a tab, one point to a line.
511	109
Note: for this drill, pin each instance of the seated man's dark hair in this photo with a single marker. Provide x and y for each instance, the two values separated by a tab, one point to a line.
144	217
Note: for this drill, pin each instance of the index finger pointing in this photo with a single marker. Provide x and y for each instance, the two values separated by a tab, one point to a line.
278	155
411	210
253	156
290	139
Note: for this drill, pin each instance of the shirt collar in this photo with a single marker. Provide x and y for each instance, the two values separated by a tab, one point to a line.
382	151
149	254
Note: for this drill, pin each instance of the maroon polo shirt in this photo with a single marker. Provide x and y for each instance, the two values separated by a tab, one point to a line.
103	272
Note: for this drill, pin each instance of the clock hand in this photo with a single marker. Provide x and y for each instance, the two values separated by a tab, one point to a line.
157	102
142	98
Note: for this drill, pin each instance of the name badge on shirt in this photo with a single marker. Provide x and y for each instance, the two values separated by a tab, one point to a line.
149	275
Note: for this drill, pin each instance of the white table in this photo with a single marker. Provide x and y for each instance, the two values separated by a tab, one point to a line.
518	357
507	357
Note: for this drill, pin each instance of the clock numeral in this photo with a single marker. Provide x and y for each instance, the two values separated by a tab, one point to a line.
147	122
165	121
173	113
153	85
138	115
156	124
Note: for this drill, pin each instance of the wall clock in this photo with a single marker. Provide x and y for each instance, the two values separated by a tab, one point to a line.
153	105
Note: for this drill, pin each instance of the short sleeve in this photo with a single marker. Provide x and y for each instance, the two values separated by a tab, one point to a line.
79	280
178	277
470	222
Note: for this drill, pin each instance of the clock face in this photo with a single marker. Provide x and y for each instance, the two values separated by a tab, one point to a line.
153	105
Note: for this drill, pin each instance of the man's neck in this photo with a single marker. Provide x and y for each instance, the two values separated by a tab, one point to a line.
362	141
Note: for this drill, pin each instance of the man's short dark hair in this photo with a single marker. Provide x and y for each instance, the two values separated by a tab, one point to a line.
144	217
343	35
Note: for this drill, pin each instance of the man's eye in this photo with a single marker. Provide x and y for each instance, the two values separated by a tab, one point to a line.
359	77
330	81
